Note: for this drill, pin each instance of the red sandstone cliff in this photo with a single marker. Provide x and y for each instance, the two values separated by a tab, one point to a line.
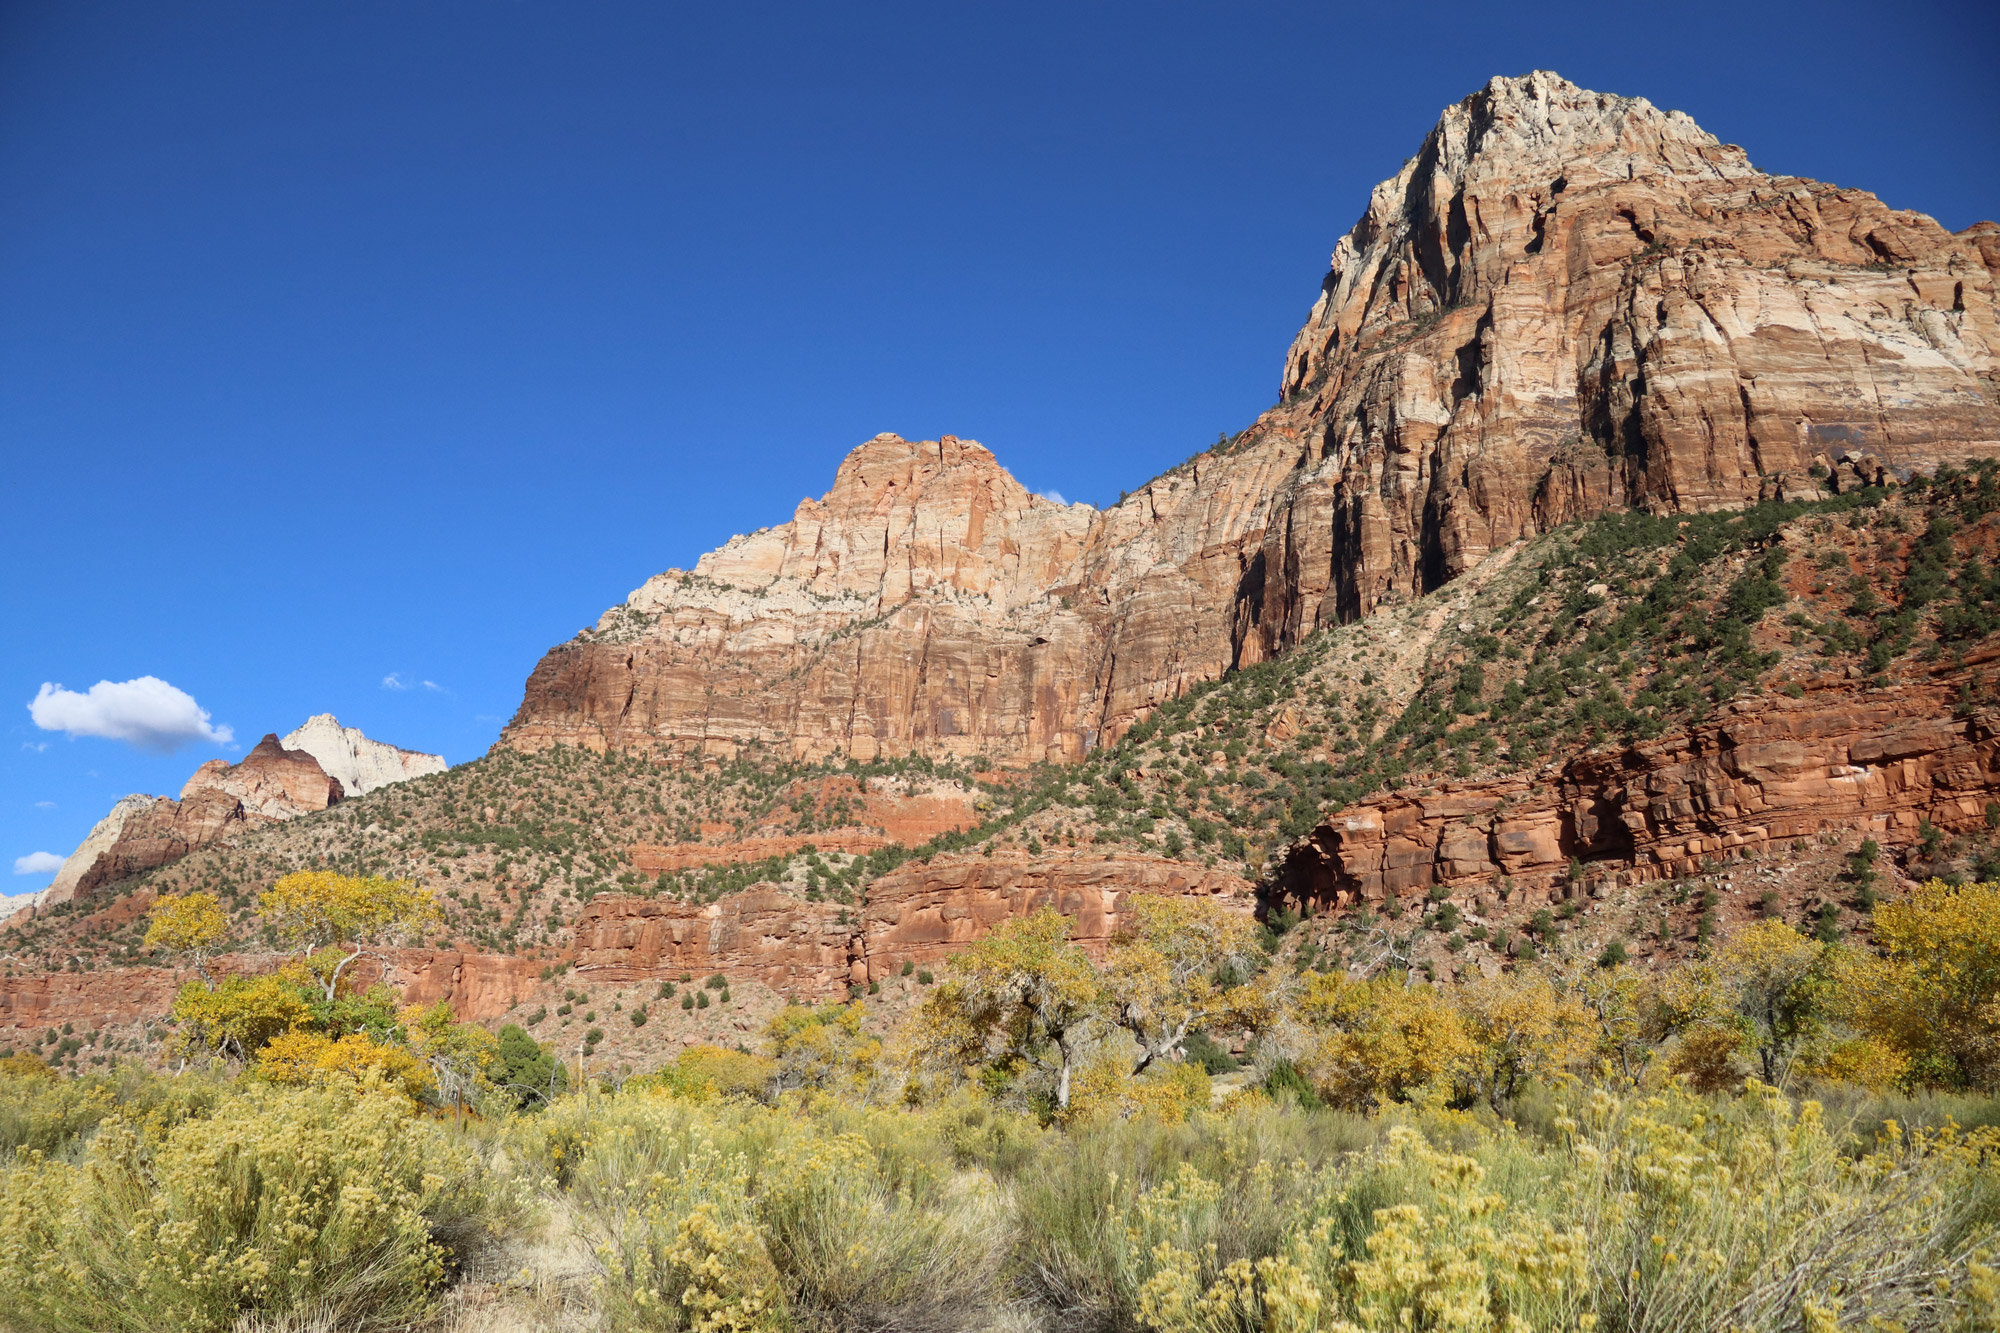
918	914
1879	762
1566	302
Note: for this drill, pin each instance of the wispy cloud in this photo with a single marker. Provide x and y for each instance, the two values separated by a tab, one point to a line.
37	863
147	713
1056	496
36	746
45	805
396	681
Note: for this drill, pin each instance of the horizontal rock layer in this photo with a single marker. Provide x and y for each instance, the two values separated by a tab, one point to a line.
1764	772
918	914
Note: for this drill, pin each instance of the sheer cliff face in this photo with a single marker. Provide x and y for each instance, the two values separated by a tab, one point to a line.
927	603
1566	302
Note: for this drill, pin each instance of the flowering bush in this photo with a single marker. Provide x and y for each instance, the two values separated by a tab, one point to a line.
280	1199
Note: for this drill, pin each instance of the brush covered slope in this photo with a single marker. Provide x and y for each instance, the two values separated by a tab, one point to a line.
1615	570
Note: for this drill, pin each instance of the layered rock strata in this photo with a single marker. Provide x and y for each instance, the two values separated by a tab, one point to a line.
1566	302
1763	773
919	915
478	987
142	833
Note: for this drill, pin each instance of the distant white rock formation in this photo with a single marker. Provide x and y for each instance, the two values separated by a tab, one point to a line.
96	843
359	764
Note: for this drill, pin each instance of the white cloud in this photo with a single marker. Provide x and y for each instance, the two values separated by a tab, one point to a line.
45	805
37	863
394	681
36	746
1056	496
147	713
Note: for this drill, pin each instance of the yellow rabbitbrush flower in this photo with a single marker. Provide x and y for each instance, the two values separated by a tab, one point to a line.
281	1199
1462	1262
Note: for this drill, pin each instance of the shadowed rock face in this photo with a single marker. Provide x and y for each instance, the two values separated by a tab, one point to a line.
1566	302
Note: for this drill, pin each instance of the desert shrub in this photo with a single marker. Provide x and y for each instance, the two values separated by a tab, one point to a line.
304	1058
54	1116
730	1215
1637	1218
279	1199
1091	1210
704	1073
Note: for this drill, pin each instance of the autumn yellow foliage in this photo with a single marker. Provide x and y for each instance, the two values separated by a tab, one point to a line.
316	910
1932	1000
310	1058
190	925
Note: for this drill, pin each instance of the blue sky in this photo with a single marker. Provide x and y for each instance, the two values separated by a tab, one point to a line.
346	340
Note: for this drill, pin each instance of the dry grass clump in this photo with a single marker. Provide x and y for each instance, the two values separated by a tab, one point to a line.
736	1216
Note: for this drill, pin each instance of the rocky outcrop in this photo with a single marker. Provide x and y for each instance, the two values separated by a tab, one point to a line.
1763	773
103	836
479	987
918	914
145	832
358	763
924	913
1566	302
876	813
271	782
794	946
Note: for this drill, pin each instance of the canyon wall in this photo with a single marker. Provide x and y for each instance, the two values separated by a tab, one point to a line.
1566	302
1881	762
917	915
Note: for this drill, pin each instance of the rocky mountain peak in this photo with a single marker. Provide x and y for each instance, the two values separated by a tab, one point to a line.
358	763
1566	302
1542	125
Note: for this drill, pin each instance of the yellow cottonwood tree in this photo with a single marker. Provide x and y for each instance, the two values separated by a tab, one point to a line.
302	1057
333	919
1170	973
460	1056
190	925
240	1015
1026	992
1522	1028
823	1046
1382	1039
1934	996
